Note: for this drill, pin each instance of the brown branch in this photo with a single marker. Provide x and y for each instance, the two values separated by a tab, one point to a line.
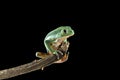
34	65
29	67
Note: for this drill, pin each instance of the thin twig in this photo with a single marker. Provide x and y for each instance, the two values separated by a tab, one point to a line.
29	67
34	65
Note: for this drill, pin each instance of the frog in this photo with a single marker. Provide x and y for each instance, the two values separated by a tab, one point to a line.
54	39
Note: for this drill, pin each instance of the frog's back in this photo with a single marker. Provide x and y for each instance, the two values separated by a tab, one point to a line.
56	33
52	35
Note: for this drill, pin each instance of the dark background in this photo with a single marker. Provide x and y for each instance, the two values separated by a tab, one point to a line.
22	34
23	28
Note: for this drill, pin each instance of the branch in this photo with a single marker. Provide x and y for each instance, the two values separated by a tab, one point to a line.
34	65
29	67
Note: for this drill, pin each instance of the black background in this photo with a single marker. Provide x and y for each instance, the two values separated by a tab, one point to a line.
22	34
23	28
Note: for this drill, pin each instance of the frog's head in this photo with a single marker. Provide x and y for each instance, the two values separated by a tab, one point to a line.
66	31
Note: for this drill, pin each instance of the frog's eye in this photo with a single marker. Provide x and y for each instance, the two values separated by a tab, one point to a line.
64	31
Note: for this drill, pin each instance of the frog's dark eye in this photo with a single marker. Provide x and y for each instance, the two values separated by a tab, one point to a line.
65	31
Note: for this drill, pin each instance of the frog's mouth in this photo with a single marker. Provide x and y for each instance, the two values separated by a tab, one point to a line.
66	37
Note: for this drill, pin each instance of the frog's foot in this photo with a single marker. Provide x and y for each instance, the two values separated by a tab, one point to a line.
57	54
60	52
65	58
41	55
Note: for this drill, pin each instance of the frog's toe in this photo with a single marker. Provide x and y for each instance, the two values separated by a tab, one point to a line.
60	52
64	59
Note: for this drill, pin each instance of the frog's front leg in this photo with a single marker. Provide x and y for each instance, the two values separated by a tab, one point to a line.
65	46
63	49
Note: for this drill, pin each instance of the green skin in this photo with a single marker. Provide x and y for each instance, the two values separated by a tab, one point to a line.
56	37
